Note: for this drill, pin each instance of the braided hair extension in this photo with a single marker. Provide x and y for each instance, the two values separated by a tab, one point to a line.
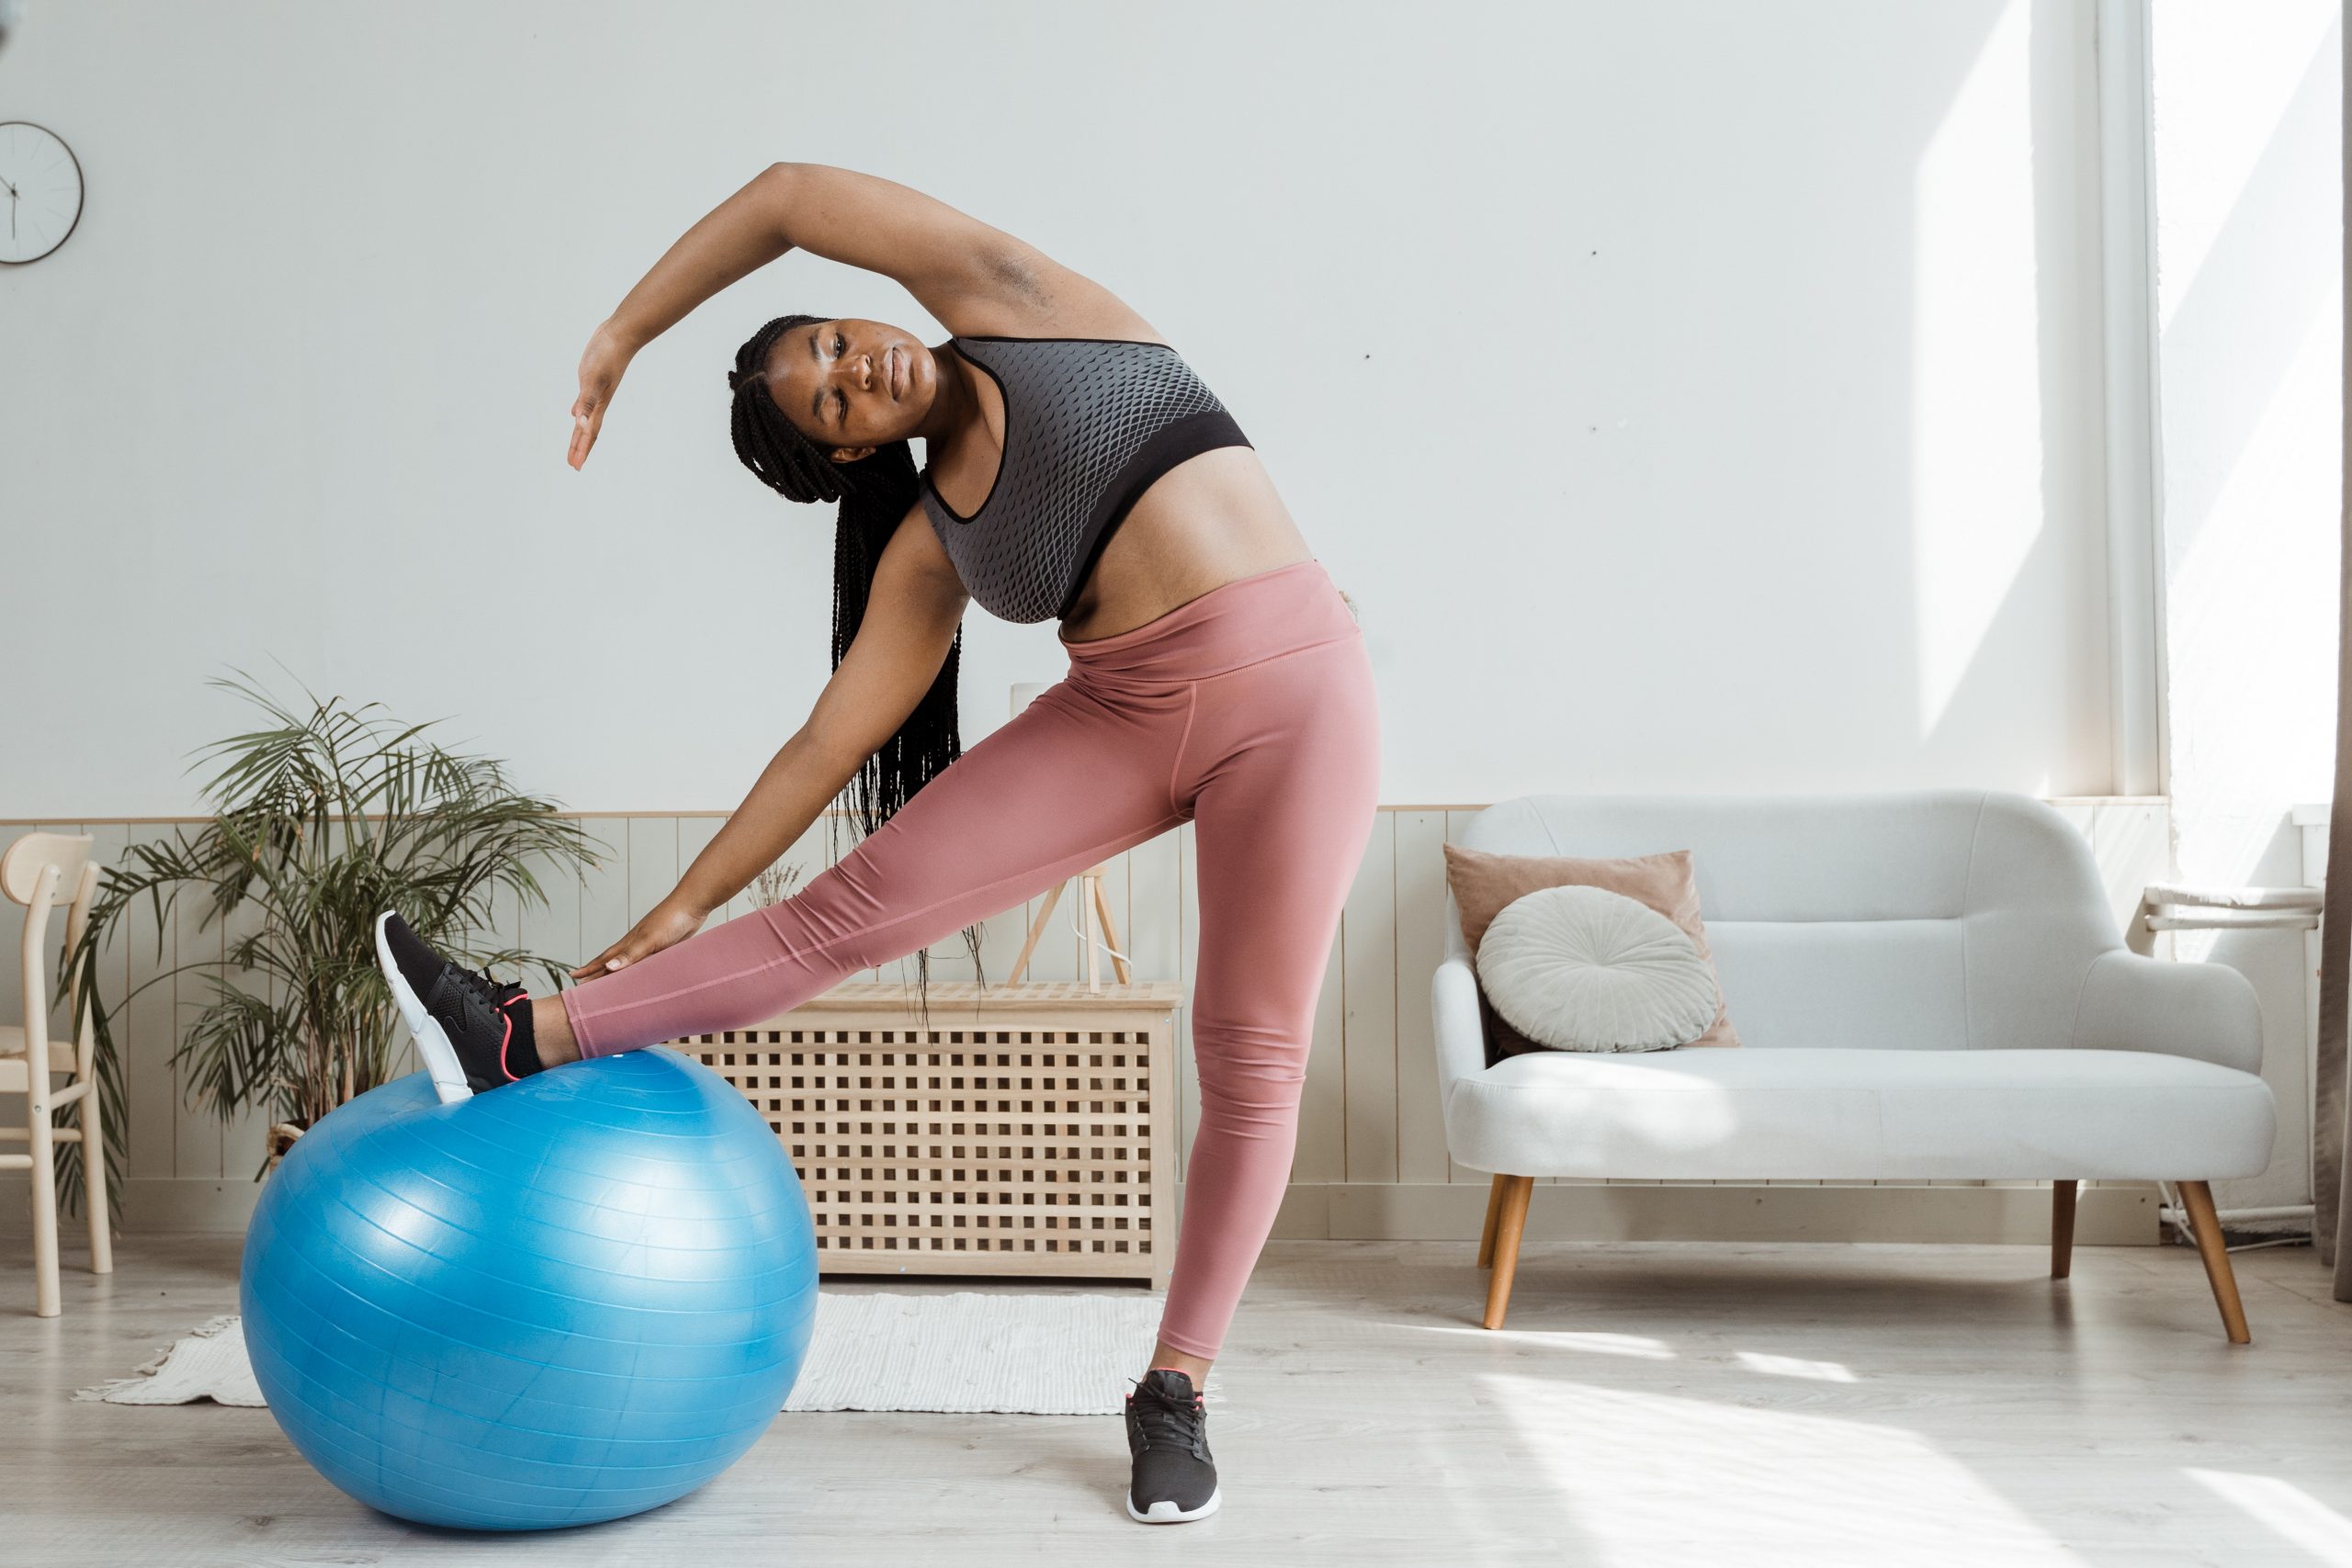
874	493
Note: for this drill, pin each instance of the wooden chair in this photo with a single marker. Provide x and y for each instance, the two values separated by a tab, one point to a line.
32	871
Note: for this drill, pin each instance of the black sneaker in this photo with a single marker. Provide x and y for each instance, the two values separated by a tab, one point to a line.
1168	1436
468	1028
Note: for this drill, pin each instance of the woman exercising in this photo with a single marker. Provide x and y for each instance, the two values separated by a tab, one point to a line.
1076	468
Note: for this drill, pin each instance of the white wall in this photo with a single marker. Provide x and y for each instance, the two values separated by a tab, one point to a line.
1734	367
2248	202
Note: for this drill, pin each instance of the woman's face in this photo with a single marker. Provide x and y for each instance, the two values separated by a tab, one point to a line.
851	386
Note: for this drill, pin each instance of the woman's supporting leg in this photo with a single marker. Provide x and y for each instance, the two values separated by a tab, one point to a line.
1193	1367
1070	779
1285	760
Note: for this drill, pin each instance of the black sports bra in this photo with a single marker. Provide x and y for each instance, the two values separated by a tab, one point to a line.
1089	425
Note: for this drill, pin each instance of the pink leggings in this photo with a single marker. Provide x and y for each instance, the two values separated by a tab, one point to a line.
1250	712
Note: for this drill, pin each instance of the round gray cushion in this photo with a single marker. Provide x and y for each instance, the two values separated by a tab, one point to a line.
1584	969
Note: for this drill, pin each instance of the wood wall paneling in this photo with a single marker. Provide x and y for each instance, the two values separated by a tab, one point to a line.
1369	1115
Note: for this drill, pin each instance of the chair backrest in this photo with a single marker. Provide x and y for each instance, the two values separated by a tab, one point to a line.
24	867
21	864
1916	919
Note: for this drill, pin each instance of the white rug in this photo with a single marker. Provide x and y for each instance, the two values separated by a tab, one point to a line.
966	1352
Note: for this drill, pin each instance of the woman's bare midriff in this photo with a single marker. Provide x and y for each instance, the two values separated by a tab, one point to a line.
1203	524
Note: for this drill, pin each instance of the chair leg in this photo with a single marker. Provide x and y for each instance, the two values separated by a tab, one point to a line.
2061	1228
46	1300
1494	1211
1510	1223
94	1185
2207	1224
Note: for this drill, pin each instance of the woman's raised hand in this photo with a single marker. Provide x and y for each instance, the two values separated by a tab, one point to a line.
600	374
665	925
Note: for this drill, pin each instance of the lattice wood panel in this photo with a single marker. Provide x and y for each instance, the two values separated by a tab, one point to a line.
1028	1130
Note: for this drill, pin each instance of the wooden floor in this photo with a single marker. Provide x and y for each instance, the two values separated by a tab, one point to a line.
1649	1405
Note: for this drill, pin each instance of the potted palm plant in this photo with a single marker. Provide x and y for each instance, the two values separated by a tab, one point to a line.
322	817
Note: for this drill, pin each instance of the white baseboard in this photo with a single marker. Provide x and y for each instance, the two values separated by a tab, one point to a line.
149	1205
2104	1216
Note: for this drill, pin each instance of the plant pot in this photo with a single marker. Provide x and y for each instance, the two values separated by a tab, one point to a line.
281	1138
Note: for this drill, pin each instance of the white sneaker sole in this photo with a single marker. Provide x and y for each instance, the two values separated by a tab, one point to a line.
1168	1513
431	1041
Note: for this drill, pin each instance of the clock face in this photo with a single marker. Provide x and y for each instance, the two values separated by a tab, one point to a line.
40	192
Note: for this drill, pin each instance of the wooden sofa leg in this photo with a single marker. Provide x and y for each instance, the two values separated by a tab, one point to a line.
1494	1211
2061	1228
2198	1197
1509	1223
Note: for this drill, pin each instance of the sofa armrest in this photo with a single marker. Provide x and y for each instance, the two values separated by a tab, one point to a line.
1461	1034
2209	1011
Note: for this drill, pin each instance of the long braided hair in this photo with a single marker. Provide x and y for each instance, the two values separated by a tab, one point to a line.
874	493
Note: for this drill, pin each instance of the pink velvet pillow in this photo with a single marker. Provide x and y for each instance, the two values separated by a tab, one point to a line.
1484	883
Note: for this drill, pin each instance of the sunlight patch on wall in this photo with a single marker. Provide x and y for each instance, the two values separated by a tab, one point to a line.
1976	402
2249	59
2253	648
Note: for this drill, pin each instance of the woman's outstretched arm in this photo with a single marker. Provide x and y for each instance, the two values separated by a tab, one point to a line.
970	276
951	261
911	614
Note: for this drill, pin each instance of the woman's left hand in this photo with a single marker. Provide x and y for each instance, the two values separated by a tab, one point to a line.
600	375
665	925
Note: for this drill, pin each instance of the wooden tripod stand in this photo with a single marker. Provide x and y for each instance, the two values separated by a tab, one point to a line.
1093	906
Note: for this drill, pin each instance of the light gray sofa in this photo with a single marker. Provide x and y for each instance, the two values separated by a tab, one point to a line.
1927	984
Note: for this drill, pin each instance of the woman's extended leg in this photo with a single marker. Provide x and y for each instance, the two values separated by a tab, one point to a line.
1079	774
1073	778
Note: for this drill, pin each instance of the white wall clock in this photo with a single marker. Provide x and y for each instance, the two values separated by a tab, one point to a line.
40	192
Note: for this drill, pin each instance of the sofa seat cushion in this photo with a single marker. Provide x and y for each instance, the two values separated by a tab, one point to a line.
1835	1113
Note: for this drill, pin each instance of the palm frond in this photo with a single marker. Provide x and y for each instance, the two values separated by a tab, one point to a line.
323	814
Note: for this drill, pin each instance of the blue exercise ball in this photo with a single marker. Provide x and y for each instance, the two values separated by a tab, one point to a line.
569	1299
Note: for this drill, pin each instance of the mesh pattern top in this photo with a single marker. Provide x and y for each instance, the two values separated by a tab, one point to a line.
1089	425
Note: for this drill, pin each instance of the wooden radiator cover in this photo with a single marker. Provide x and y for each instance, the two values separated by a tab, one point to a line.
1029	1130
